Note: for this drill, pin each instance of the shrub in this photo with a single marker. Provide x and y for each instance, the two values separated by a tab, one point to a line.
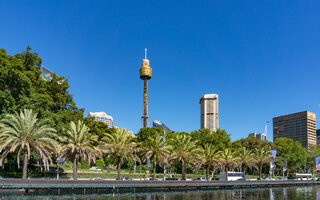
100	163
85	164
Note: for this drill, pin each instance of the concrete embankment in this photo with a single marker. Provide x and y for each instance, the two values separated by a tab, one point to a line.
51	186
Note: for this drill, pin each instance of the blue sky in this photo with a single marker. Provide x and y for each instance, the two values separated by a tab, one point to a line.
261	57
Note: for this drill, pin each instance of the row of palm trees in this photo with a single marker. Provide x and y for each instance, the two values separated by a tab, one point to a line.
239	159
23	132
182	149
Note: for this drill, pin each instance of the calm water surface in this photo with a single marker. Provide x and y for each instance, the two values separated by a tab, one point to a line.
312	192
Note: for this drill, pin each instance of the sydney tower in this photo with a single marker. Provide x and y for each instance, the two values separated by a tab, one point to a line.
145	75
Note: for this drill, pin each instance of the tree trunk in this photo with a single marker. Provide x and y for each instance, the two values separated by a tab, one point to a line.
75	168
183	170
226	173
207	171
140	169
154	168
260	171
244	171
25	164
119	168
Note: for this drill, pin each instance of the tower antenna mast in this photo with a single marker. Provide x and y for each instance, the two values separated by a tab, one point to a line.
266	128
145	53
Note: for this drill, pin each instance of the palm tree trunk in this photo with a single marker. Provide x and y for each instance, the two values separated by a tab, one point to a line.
25	164
119	168
183	170
226	173
75	167
207	171
154	169
244	171
260	171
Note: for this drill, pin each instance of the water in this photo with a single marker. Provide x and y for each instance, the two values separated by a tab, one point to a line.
290	193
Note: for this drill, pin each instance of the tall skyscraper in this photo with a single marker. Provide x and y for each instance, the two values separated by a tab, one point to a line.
299	126
209	111
145	75
103	117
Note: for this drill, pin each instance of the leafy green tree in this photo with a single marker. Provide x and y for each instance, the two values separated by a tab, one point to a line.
252	143
184	150
209	156
227	159
156	150
219	138
77	144
25	133
119	146
246	158
22	87
291	151
98	128
313	152
145	133
262	155
235	146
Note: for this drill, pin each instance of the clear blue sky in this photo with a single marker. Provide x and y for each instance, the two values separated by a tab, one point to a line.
261	57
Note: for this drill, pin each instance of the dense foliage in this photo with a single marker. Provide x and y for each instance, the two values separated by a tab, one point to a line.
22	87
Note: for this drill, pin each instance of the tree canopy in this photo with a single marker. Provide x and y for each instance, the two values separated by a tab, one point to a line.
22	87
145	133
219	138
252	143
291	151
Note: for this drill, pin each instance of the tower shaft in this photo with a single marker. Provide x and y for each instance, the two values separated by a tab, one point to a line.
145	103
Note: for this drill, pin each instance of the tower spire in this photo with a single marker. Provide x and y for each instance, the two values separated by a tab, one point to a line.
145	53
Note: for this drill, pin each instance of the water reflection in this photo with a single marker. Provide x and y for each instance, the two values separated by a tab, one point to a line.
312	192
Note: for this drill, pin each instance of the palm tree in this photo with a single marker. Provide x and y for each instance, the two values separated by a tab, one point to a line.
246	158
209	155
78	144
155	149
262	156
183	150
25	132
120	146
227	158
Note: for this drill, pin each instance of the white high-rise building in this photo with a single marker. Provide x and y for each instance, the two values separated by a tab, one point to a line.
209	111
102	116
259	136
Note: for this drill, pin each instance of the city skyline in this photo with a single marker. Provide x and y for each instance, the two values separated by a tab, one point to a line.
263	62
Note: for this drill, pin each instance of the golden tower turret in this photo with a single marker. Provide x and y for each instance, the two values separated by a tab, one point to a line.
145	75
145	69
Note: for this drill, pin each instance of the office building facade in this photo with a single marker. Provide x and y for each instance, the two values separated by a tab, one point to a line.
209	111
46	73
259	136
159	124
299	126
103	117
